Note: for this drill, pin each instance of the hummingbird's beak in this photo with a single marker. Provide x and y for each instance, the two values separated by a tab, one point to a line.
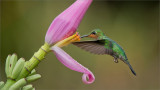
84	36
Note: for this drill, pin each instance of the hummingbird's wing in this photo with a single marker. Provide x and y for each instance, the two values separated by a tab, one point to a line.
94	46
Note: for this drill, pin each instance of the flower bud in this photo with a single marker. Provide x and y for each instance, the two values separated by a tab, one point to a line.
18	67
13	61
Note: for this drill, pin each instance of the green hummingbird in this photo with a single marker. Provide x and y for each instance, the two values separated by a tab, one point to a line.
104	45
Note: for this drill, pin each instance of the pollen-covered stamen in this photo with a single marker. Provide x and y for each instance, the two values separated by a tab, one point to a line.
77	38
73	38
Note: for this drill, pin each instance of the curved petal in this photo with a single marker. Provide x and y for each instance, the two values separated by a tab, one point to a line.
69	62
67	22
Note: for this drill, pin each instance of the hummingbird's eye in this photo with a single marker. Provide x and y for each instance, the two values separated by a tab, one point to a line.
93	32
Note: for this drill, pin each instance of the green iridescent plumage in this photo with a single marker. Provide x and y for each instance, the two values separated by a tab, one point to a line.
104	45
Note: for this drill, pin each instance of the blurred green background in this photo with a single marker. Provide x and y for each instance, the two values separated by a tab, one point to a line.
132	24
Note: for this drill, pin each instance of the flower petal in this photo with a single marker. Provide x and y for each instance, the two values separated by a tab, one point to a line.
69	62
67	22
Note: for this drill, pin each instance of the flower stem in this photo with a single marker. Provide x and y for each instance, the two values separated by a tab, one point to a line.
8	84
34	61
29	65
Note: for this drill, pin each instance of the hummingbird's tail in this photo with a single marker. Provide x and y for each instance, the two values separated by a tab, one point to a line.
131	69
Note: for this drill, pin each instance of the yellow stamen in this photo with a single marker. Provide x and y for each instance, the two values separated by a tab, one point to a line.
68	40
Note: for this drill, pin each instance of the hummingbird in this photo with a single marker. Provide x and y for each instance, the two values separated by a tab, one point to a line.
103	45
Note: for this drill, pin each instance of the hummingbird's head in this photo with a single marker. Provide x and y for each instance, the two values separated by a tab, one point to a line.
94	34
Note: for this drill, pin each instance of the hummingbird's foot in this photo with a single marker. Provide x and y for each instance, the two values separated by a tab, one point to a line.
115	60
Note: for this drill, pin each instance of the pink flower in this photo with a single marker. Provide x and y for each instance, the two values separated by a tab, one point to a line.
69	62
67	22
60	31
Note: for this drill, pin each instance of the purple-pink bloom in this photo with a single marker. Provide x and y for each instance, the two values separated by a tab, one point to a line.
65	24
69	62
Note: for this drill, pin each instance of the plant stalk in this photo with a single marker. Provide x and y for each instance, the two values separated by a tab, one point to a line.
30	65
8	84
34	61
